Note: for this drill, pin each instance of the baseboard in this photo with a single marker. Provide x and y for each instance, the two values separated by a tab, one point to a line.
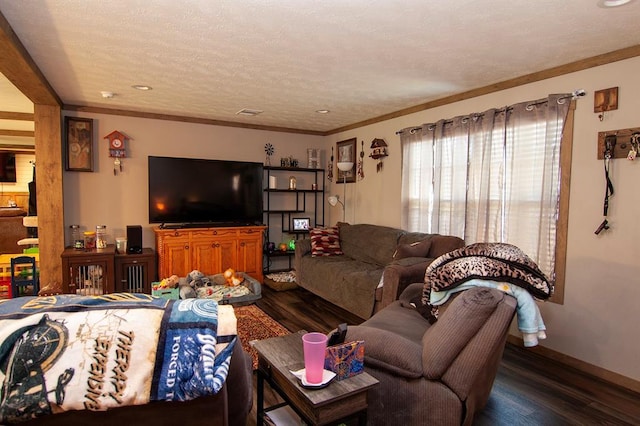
593	370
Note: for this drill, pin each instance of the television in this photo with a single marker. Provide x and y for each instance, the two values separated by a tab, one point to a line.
7	166
201	192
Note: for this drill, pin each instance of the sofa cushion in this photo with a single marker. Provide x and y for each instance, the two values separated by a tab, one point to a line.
388	351
445	339
325	242
369	243
342	281
417	249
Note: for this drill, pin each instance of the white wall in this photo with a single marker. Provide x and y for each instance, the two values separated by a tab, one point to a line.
100	198
598	321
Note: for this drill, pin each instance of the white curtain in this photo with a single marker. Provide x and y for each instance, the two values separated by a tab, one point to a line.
488	177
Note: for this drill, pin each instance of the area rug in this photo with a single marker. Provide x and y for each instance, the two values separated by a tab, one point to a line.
254	324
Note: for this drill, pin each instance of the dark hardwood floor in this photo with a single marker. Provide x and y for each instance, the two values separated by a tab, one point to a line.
529	389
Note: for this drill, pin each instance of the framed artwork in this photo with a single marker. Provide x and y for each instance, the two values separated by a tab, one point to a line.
346	153
301	224
78	144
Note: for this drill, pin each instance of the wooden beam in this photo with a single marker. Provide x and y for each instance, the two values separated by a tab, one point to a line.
49	195
18	133
186	119
20	116
16	64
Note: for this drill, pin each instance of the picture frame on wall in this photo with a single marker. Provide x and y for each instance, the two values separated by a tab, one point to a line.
346	151
78	144
301	223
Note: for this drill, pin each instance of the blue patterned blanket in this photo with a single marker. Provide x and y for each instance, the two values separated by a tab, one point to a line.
68	352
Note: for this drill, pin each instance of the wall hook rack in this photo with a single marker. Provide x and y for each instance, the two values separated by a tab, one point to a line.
623	142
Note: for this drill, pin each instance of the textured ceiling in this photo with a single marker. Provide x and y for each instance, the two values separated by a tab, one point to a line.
360	59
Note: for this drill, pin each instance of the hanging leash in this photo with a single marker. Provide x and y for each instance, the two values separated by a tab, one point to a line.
609	145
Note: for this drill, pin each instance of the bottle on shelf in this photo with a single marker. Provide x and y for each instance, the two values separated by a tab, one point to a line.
77	239
89	240
101	237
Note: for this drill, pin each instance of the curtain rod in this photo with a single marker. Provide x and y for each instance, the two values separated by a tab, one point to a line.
574	95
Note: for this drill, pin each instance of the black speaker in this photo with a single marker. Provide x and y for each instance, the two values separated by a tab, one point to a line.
134	239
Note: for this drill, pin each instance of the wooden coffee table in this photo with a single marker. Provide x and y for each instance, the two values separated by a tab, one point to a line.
339	400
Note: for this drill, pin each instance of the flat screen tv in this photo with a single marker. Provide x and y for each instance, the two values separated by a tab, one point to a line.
189	191
7	166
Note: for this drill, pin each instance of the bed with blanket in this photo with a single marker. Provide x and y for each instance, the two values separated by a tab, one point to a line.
121	357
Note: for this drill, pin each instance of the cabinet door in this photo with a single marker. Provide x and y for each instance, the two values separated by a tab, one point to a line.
250	255
176	257
135	272
204	256
227	254
213	256
91	277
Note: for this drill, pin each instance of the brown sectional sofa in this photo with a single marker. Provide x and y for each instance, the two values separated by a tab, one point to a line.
352	281
439	374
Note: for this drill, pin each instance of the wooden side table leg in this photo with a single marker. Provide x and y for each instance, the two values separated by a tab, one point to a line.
260	398
362	418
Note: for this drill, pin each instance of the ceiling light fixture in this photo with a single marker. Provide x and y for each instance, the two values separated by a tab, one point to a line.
322	111
107	95
612	3
142	87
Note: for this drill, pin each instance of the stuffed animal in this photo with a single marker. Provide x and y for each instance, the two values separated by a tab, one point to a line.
186	291
197	279
233	278
171	282
194	280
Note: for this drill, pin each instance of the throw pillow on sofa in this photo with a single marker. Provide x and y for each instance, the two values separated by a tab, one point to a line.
325	242
417	249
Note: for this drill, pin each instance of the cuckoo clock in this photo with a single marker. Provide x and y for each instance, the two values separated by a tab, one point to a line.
378	152
117	149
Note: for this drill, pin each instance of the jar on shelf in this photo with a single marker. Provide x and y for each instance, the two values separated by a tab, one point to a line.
101	236
292	182
89	240
77	239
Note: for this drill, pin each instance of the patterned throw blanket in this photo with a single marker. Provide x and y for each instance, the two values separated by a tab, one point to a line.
69	352
489	261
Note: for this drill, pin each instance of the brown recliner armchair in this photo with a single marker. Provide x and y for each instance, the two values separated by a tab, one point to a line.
438	374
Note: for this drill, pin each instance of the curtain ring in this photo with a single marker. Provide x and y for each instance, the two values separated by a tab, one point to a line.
561	100
431	127
464	120
530	107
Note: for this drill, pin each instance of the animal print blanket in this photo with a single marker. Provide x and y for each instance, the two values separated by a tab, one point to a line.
490	261
69	352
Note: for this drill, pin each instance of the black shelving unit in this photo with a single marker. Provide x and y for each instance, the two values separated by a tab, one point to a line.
303	200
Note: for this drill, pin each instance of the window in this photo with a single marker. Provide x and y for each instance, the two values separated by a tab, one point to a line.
494	177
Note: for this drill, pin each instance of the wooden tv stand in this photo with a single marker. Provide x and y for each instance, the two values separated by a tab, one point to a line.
210	250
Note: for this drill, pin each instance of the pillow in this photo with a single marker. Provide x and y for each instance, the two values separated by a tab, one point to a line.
325	242
417	249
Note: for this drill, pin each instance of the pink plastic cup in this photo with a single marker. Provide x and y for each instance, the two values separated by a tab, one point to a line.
314	346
